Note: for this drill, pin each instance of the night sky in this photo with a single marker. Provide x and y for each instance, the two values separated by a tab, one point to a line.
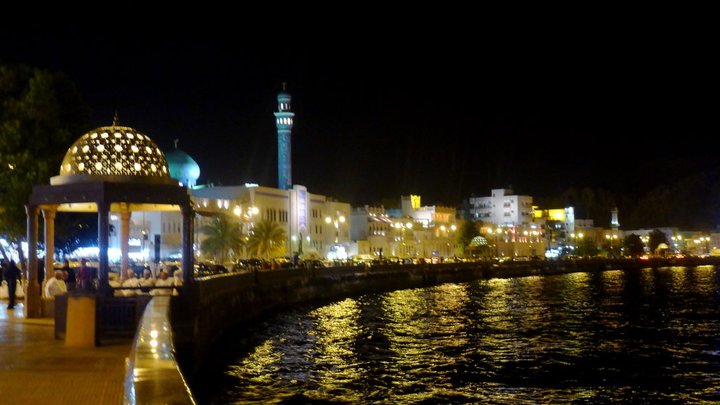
438	112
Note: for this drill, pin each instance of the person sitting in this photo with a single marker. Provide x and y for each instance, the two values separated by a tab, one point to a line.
56	285
163	281
130	281
147	280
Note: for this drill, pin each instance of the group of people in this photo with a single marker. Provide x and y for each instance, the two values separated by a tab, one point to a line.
83	278
131	284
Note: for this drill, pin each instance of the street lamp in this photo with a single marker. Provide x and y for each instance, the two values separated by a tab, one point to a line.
610	239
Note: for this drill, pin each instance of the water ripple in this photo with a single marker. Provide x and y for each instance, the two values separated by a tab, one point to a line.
649	337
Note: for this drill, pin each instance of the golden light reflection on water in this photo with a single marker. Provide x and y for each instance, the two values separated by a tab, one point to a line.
648	336
260	364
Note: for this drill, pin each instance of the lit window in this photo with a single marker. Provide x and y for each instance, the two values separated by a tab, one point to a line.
118	148
118	165
153	168
101	148
137	167
130	135
104	135
139	136
135	149
85	148
117	135
81	166
98	166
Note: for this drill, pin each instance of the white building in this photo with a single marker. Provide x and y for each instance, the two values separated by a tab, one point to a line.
414	231
503	208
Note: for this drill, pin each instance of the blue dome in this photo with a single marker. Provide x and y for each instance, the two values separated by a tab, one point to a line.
182	167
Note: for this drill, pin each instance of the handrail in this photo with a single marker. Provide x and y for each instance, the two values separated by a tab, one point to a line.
153	375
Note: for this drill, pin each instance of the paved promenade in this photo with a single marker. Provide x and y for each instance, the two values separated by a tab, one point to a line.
37	369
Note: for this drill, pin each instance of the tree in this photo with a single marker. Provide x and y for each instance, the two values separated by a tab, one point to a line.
266	239
468	231
586	247
656	238
221	236
633	245
41	113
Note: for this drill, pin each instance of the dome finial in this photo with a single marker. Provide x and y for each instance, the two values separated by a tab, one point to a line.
116	120
284	84
176	142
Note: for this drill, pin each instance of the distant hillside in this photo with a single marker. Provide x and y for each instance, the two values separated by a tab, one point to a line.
692	202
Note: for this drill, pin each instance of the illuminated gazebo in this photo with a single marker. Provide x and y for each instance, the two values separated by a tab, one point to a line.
109	169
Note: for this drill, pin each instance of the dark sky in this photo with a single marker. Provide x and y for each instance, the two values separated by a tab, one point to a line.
441	112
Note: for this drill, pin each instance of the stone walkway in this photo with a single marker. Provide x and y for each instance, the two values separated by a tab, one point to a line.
35	368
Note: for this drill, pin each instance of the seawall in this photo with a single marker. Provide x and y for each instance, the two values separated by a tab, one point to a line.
213	305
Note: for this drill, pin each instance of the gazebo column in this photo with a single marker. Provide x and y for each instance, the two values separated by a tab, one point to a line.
124	240
188	256
103	235
49	217
32	293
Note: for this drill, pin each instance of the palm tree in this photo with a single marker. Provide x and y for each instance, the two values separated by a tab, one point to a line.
221	235
266	238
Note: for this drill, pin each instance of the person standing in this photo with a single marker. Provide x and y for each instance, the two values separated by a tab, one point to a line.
12	274
69	275
85	276
56	286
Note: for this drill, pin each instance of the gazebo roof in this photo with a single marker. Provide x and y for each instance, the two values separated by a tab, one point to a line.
114	154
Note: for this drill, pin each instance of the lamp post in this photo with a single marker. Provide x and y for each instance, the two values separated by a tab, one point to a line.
610	239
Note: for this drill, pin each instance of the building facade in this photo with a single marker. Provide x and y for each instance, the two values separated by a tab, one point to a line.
502	207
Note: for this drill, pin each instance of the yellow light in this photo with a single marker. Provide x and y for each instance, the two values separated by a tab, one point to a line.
237	211
557	214
525	233
118	147
342	219
154	334
136	166
453	227
442	228
118	166
98	166
328	220
254	210
135	149
498	230
117	135
580	235
408	225
101	148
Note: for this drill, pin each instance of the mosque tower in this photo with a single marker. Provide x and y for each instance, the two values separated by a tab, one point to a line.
284	122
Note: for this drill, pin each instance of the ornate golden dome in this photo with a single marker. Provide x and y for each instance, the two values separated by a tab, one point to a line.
114	153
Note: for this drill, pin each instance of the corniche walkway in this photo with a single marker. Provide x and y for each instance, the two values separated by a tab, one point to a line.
35	368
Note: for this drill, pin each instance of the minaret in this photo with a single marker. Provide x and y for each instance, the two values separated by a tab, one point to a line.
284	122
614	223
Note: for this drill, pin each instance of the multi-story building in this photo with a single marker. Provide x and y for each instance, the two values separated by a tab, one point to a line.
502	207
370	230
413	231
